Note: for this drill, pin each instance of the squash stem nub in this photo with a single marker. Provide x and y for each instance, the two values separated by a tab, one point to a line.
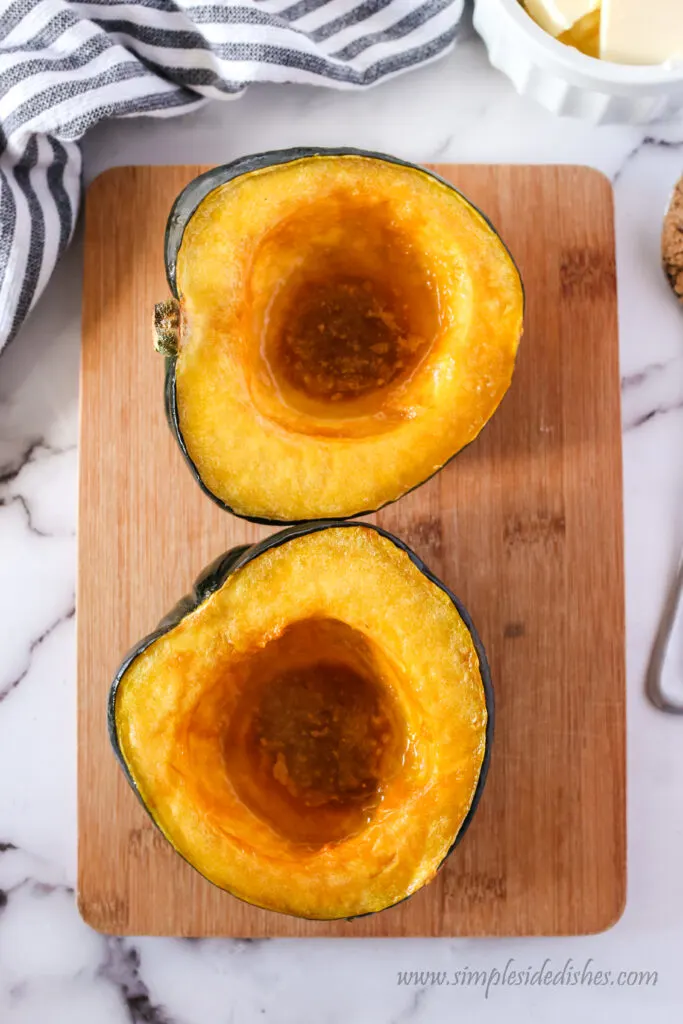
167	327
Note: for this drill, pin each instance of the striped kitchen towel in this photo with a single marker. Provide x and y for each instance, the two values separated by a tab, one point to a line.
65	65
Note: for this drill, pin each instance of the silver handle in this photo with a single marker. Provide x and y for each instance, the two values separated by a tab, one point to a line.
660	649
672	260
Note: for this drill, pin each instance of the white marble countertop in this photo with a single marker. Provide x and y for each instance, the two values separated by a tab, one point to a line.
52	967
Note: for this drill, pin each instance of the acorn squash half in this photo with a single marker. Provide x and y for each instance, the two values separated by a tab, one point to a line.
311	728
343	324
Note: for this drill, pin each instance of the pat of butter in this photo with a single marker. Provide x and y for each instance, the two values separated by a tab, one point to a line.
641	31
558	16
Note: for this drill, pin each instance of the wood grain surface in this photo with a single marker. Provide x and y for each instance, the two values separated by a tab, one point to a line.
525	526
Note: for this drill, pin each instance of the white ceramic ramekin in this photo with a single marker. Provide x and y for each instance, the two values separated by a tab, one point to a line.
568	82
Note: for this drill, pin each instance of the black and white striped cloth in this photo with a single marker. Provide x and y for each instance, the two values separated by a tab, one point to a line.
65	65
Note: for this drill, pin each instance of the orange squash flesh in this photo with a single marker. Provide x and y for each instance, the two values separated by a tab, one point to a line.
311	737
347	325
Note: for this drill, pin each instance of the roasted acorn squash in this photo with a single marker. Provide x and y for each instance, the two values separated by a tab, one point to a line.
311	728
343	324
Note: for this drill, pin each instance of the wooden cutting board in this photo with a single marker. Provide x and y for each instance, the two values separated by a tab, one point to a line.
525	526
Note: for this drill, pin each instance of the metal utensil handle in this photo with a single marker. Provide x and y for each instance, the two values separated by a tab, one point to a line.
660	649
672	261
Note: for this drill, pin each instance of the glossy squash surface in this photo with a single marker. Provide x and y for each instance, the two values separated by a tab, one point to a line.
310	730
346	324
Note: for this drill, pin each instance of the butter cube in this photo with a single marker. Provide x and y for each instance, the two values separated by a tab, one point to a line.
641	31
558	16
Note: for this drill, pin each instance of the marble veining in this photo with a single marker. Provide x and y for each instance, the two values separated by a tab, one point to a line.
653	391
52	967
121	967
69	614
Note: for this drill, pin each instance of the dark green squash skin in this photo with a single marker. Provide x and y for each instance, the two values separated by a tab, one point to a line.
181	213
213	578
